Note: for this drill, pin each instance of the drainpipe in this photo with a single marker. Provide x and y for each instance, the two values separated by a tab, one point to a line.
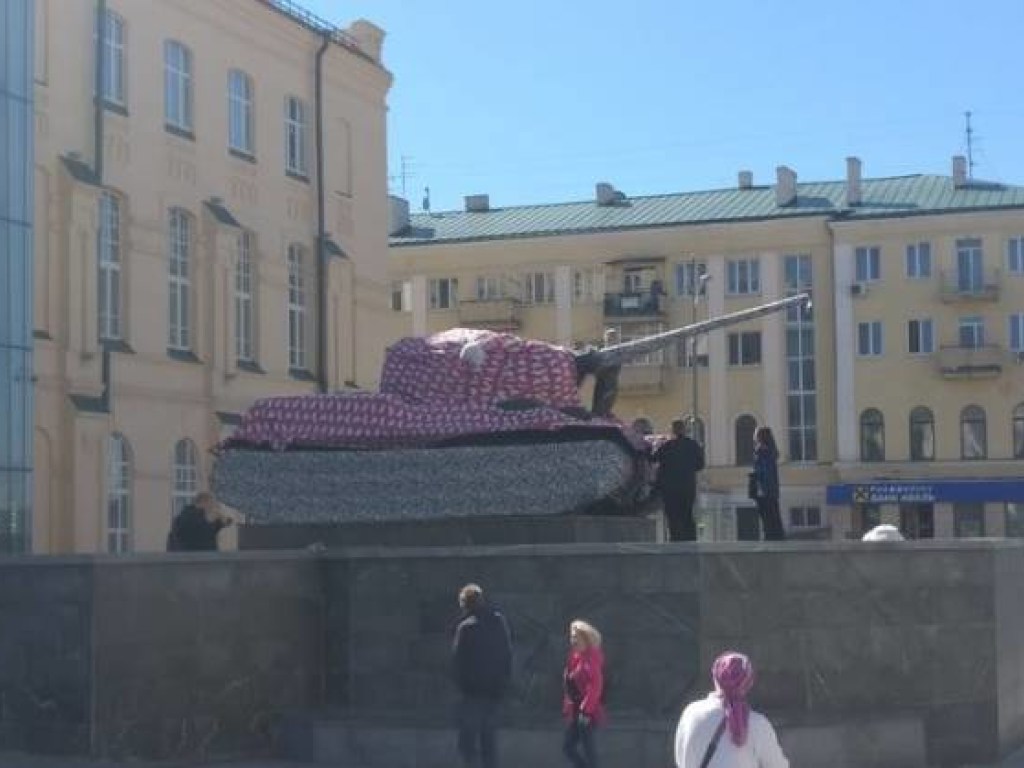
97	160
321	233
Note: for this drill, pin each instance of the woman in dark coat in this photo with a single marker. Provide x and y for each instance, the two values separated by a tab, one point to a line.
766	476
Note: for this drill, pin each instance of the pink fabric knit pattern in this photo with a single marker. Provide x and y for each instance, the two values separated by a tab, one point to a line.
734	677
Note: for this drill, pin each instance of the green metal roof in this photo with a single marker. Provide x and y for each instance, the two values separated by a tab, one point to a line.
881	198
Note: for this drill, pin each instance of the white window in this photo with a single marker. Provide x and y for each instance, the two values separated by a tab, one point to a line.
295	121
869	264
1016	333
919	260
636	331
113	59
920	339
869	339
444	293
972	332
688	277
109	263
585	286
489	288
184	476
539	288
119	494
745	348
296	308
744	277
1015	255
804	517
245	335
177	85
179	247
240	127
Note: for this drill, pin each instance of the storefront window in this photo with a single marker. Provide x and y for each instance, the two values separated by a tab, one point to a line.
969	520
1015	520
917	521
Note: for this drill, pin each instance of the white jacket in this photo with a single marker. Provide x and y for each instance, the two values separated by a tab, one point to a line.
697	727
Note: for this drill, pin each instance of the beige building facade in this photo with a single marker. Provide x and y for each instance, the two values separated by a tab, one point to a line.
918	290
213	232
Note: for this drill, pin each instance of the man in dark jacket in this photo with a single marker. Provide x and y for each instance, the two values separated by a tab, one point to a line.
196	527
482	667
679	460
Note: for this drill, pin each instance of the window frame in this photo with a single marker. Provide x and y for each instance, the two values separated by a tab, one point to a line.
743	277
737	350
180	249
921	415
298	309
973	415
118	494
113	86
109	266
240	107
1015	255
244	300
688	276
872	435
1015	327
185	475
870	270
544	279
921	324
875	339
296	137
450	294
918	254
178	79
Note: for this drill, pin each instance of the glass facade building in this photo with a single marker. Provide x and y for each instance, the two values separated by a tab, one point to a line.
17	18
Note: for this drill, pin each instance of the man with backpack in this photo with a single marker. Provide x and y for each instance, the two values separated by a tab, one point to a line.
482	668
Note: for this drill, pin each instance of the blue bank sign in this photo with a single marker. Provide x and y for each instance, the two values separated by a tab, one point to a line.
950	491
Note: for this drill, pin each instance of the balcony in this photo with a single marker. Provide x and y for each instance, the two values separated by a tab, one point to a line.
491	314
639	305
957	362
642	379
984	287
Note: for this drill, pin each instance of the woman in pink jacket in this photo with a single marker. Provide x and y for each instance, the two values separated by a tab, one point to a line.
584	688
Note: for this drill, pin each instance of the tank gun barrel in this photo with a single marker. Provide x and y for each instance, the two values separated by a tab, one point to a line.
616	354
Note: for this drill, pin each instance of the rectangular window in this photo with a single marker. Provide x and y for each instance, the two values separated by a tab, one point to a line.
869	264
919	260
109	263
179	246
586	285
638	331
869	339
245	336
113	59
688	277
240	126
398	299
489	288
801	392
972	332
444	293
805	517
969	520
295	120
296	309
177	86
1015	255
970	265
1016	333
539	288
745	348
744	277
920	339
1014	520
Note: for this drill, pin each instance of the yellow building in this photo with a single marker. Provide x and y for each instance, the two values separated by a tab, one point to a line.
898	398
212	230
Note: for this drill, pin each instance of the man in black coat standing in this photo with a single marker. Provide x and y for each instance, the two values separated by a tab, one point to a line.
482	667
679	460
196	527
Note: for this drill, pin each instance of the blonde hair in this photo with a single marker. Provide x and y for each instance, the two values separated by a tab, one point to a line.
588	631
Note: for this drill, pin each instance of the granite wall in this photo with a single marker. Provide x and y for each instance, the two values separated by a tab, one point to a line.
190	656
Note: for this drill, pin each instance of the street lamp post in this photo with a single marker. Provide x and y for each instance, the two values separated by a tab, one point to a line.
697	287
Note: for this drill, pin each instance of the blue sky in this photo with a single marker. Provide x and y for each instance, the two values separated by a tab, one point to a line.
534	101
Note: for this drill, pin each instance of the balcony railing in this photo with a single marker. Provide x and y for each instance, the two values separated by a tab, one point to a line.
632	304
641	379
983	287
317	24
955	361
491	314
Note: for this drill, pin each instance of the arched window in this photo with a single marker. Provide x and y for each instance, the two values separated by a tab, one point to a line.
1018	432
973	436
179	250
296	308
745	427
872	435
922	434
119	494
184	476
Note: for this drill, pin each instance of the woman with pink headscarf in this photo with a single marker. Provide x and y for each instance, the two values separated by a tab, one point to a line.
722	731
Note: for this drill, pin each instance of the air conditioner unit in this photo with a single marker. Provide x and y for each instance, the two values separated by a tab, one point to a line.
859	289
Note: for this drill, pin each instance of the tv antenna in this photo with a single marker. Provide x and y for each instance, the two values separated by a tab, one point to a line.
405	173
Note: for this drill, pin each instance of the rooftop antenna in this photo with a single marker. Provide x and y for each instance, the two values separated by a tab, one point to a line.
405	173
426	199
970	145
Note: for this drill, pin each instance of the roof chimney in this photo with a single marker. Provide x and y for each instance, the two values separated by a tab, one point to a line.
785	187
746	179
853	192
959	171
398	214
606	194
478	203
